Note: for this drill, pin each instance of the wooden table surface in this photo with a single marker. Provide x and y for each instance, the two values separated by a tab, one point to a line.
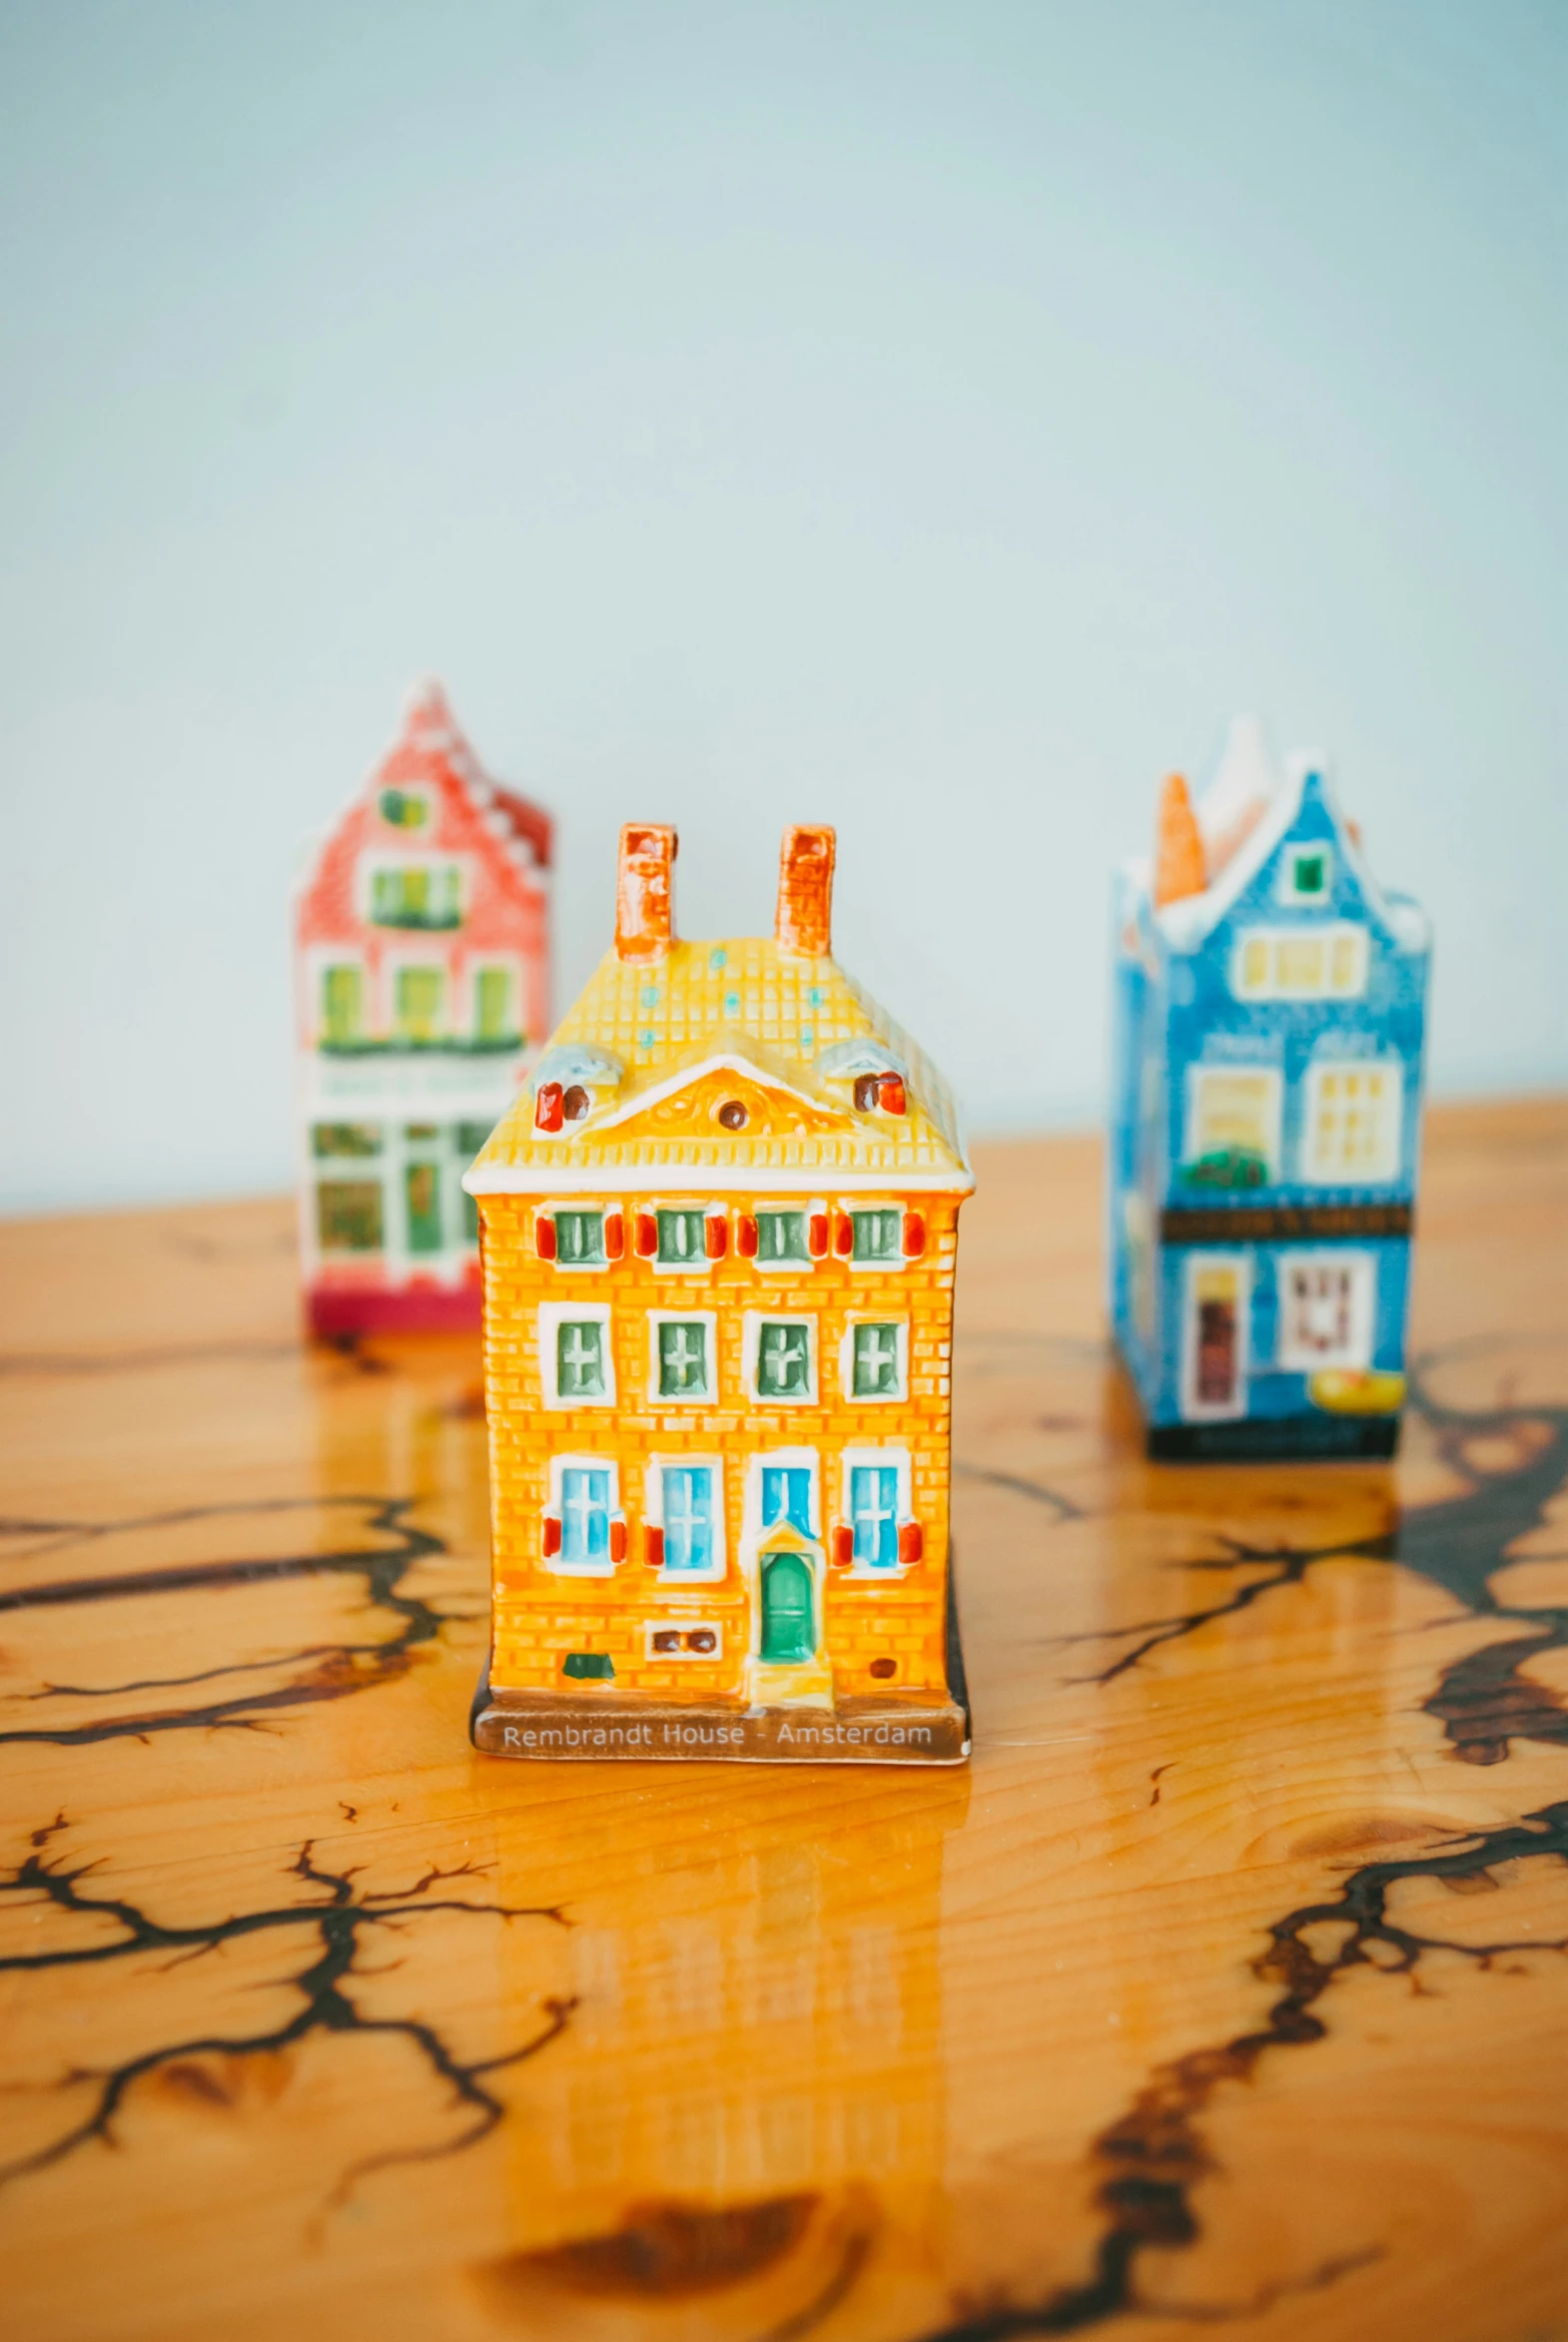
1226	1987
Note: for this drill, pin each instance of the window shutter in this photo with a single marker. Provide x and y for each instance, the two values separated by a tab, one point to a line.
843	1545
614	1235
817	1235
914	1234
716	1235
550	1525
746	1236
647	1235
911	1544
866	1088
843	1234
891	1097
547	1110
617	1540
544	1234
654	1555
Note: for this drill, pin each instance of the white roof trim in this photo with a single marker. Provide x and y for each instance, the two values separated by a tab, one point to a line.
730	1060
674	1178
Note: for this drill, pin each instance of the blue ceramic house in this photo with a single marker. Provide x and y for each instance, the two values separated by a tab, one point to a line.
1269	1012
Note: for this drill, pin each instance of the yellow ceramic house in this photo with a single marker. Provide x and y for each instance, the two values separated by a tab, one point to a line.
719	1231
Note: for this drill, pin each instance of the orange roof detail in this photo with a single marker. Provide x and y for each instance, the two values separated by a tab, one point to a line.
1180	865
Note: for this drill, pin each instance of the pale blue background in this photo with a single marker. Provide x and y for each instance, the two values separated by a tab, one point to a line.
932	419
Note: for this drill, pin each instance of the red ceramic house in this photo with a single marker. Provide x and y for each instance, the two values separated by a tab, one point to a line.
421	979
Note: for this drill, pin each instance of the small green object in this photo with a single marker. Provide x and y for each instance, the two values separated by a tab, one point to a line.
781	1236
589	1667
404	811
580	1358
1227	1167
1311	874
680	1239
421	1186
683	1357
348	1216
346	1138
342	993
492	1005
876	1362
783	1363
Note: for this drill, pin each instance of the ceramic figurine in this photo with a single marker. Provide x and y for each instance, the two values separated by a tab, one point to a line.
720	1229
1271	1000
422	962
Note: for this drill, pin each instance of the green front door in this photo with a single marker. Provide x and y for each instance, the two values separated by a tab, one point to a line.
788	1634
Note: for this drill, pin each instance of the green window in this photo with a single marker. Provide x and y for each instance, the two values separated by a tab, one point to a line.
422	1189
878	1235
781	1236
404	808
420	998
1310	874
343	1006
348	1216
415	894
588	1667
683	1357
579	1238
784	1361
680	1239
876	1374
580	1358
346	1138
492	1014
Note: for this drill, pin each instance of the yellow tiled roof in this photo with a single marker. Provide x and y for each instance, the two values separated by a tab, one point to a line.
761	1021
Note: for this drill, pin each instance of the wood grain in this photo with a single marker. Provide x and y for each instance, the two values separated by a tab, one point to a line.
1226	1986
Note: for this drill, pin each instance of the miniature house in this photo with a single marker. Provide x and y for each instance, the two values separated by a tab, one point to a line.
422	942
720	1232
1269	1010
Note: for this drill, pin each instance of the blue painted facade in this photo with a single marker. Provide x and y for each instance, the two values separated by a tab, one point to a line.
1263	1145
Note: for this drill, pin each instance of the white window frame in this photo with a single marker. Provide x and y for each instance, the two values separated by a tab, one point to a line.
674	1623
1357	1353
426	856
1194	1409
575	1203
1304	849
318	961
552	1315
789	1459
1229	1069
849	1205
816	1207
1329	933
751	1352
684	1398
419	789
879	1398
431	955
670	1581
865	1456
1392	1071
560	1465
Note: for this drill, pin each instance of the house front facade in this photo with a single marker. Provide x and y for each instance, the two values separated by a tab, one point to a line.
422	959
1268	1038
720	1233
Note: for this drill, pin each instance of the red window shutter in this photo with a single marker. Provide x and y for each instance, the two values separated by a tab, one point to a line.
654	1556
550	1525
647	1235
891	1095
544	1234
911	1543
817	1235
914	1234
617	1540
746	1236
843	1235
547	1111
843	1545
716	1235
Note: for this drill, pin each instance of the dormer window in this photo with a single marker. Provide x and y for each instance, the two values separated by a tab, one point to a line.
1306	874
880	1094
404	809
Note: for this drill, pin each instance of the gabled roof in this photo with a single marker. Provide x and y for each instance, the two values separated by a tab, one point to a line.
697	1022
1187	923
432	748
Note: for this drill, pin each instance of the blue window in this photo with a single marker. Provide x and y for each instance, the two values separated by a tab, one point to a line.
873	1511
688	1516
584	1513
786	1496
